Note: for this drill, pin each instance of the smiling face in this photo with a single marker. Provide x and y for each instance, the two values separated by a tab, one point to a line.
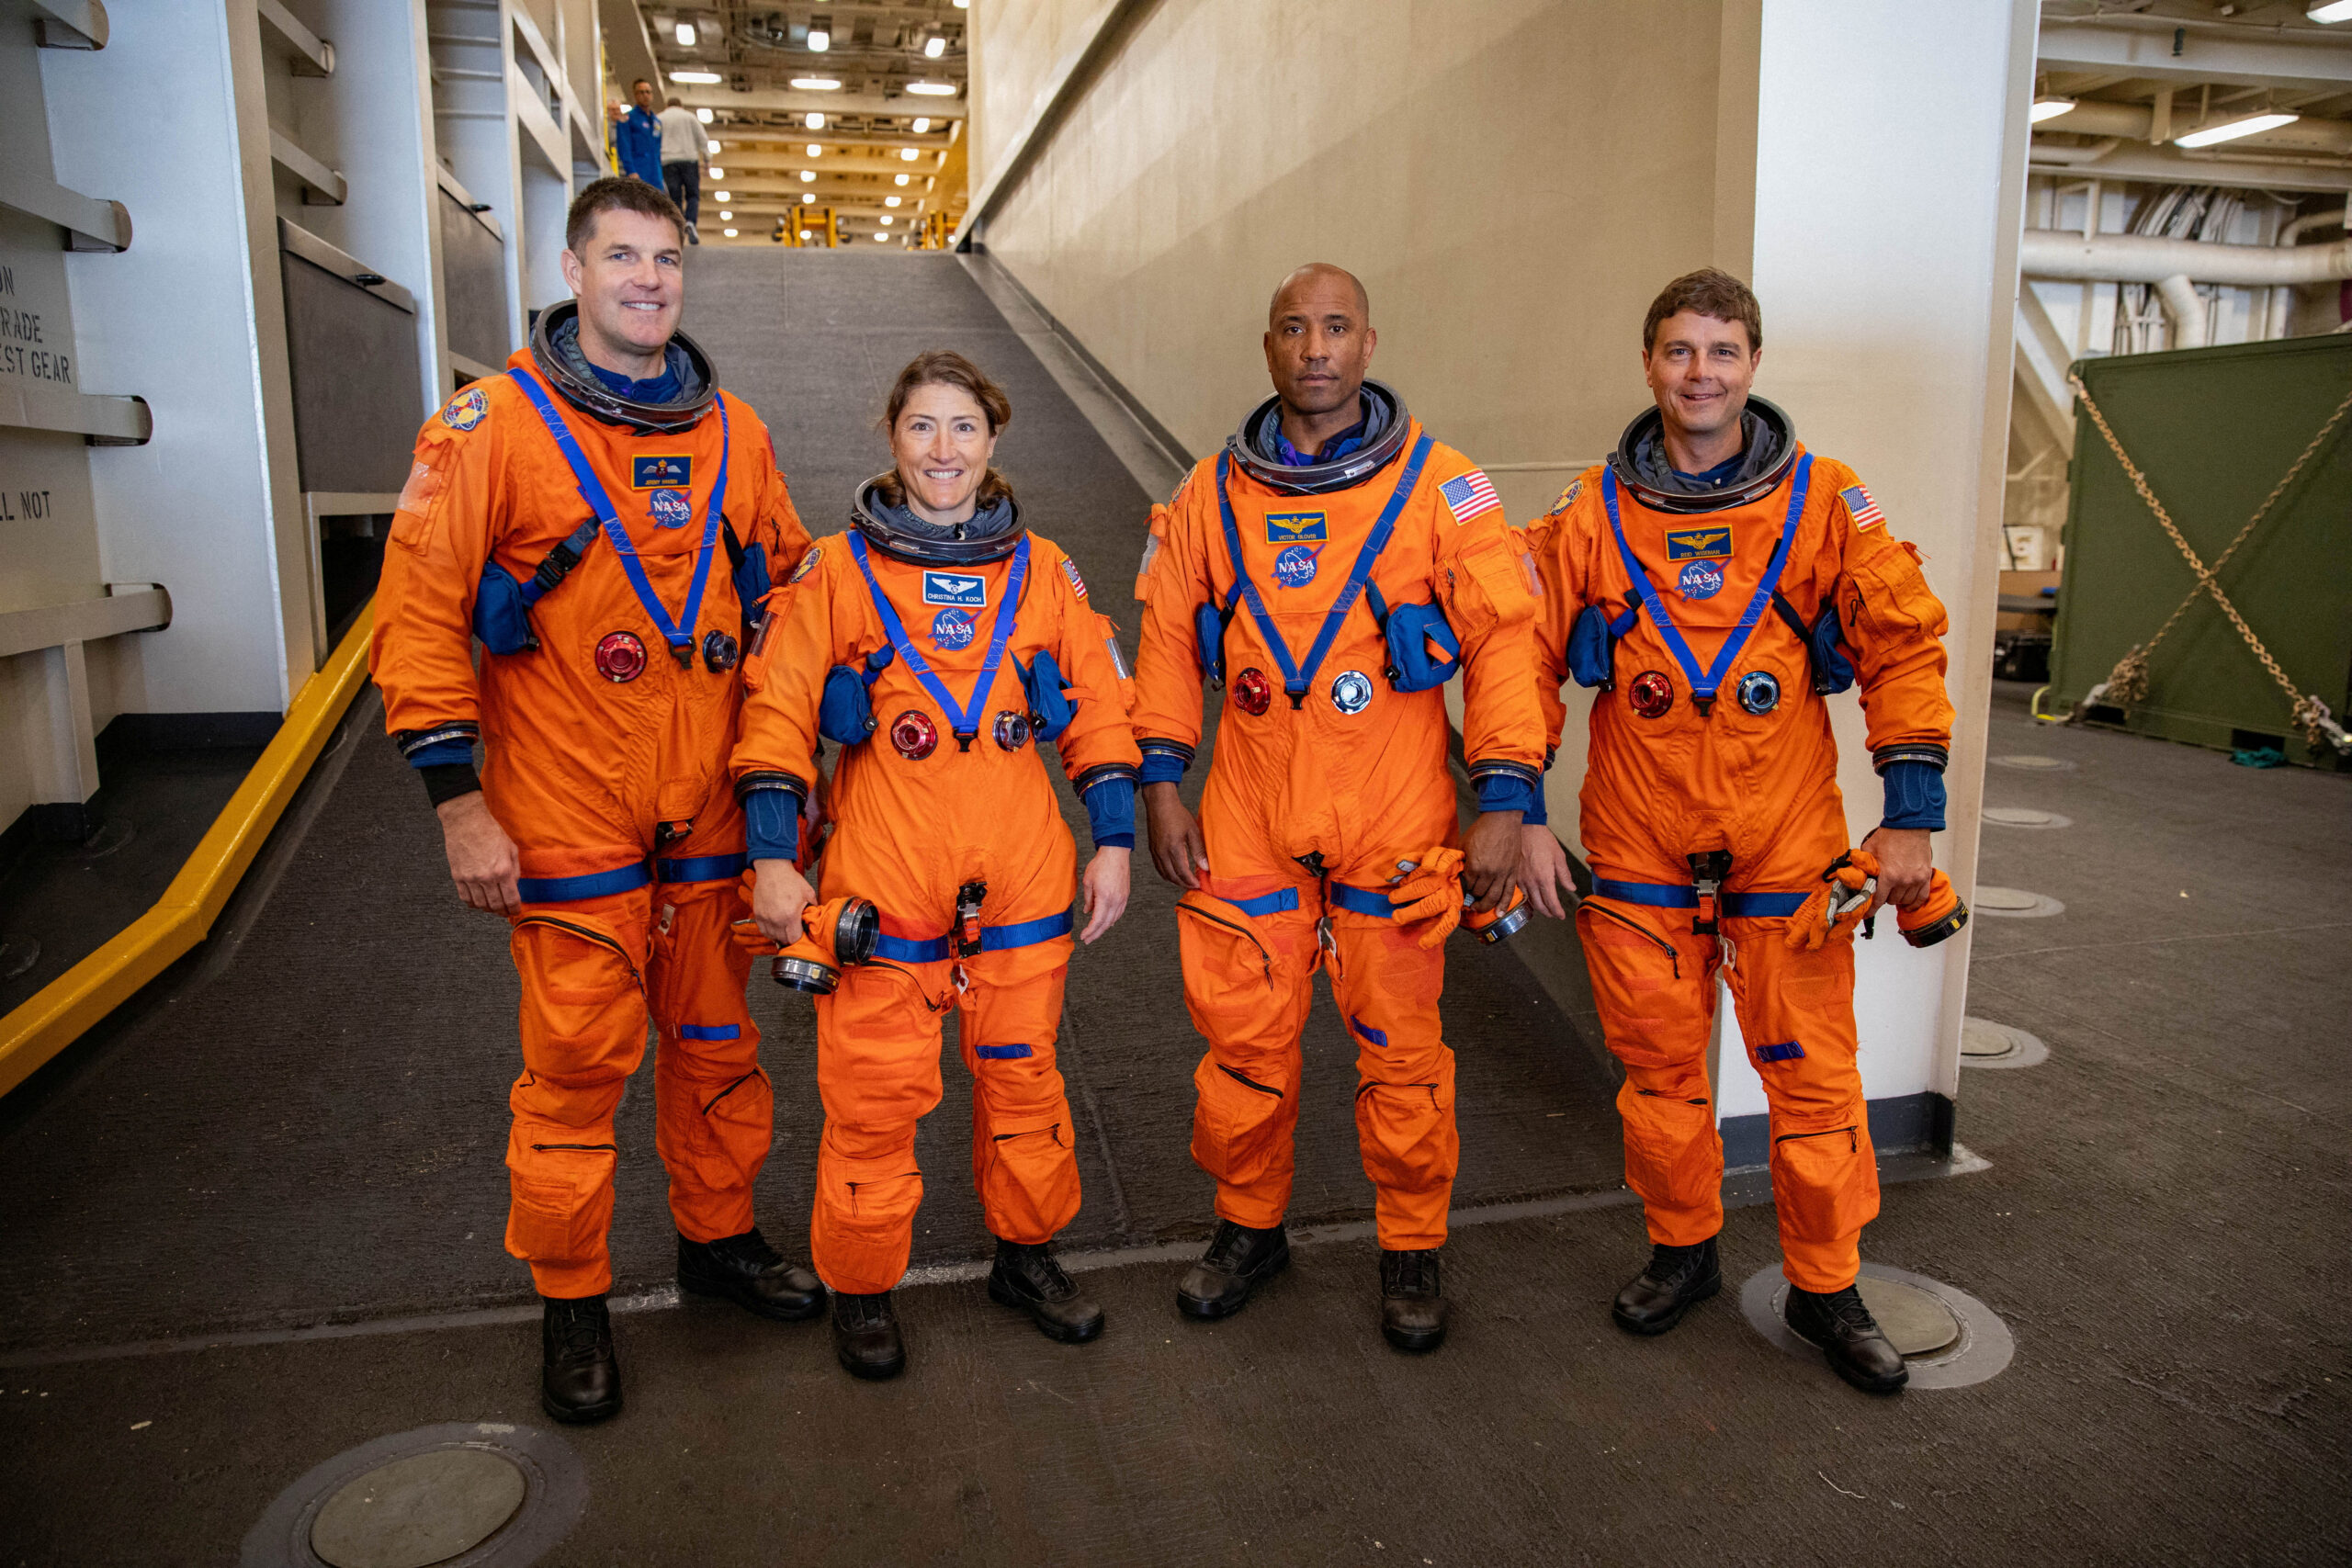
1700	370
631	285
942	444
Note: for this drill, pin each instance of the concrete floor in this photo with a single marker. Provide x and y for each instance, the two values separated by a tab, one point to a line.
301	1132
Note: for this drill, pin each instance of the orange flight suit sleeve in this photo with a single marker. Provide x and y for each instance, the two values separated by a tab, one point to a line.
1173	583
1099	743
778	749
1895	626
1553	614
1487	584
450	515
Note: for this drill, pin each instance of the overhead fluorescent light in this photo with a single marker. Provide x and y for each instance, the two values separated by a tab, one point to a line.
723	217
890	201
2330	10
934	47
815	150
703	115
882	239
2050	108
887	220
711	148
716	173
728	232
902	179
724	195
908	154
808	196
685	35
808	176
815	121
2250	126
810	84
922	125
928	89
820	39
695	78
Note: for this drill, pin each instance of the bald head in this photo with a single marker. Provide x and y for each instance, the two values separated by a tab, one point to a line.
1319	346
1307	286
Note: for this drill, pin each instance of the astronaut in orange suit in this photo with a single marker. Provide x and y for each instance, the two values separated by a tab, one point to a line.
603	518
1331	569
1715	582
941	646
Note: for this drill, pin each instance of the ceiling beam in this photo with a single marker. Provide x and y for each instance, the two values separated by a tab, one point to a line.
2170	166
901	105
2142	46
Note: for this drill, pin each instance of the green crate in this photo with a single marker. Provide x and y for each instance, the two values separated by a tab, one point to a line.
2214	429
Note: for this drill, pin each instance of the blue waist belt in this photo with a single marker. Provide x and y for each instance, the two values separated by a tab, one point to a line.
1673	896
1362	900
993	939
628	878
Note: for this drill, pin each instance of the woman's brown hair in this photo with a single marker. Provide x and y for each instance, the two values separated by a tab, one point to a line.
945	367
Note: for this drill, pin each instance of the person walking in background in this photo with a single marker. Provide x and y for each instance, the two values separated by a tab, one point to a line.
685	146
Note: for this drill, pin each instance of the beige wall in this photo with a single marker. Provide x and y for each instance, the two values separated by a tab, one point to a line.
1512	200
1024	43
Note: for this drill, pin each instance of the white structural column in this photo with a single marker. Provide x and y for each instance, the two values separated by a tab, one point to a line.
1885	246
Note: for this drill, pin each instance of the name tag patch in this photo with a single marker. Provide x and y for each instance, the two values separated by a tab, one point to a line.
652	471
1296	528
1698	544
956	588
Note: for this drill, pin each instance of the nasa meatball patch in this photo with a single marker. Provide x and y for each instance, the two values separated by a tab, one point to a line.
671	508
950	630
465	409
1699	580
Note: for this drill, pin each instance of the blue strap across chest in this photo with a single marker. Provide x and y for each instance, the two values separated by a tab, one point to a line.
678	634
964	720
1295	679
1704	683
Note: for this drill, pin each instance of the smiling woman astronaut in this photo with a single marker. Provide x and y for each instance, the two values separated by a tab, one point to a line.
940	644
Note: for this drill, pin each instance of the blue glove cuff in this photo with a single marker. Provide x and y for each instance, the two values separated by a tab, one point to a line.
442	753
1164	761
1505	792
1110	813
1535	814
1915	795
771	824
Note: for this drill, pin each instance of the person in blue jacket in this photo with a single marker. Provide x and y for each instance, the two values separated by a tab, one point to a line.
637	135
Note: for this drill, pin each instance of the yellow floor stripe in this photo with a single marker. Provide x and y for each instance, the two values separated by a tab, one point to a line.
59	1013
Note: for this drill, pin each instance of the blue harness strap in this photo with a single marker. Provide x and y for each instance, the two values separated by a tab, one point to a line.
1677	896
701	868
1361	900
1705	683
993	939
594	885
1295	681
1274	903
964	721
679	634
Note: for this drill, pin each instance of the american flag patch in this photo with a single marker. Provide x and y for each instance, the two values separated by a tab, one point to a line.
1470	495
1860	507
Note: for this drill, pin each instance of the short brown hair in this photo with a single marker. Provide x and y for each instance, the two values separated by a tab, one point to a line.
1710	291
616	193
945	367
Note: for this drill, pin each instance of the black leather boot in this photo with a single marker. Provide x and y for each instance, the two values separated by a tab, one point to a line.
865	1335
579	1380
1030	1277
1412	1310
1237	1261
746	1270
1849	1337
1676	1278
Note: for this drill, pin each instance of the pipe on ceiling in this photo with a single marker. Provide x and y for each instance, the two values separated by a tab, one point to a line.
2141	258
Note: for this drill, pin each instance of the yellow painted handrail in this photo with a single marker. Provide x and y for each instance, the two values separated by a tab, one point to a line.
58	1014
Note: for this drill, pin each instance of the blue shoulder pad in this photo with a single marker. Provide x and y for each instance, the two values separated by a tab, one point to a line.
752	579
1832	670
1050	709
1592	651
1208	634
501	612
846	713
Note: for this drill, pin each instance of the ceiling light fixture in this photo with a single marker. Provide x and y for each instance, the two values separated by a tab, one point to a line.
703	115
820	39
724	195
815	150
2251	125
2049	108
716	173
887	220
710	147
928	89
724	217
922	125
685	35
815	121
808	176
696	78
728	232
811	83
808	196
2330	11
908	154
882	239
891	200
934	47
902	179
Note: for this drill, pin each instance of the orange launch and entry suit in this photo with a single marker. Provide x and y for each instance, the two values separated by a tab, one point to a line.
1715	624
946	819
1329	772
606	729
